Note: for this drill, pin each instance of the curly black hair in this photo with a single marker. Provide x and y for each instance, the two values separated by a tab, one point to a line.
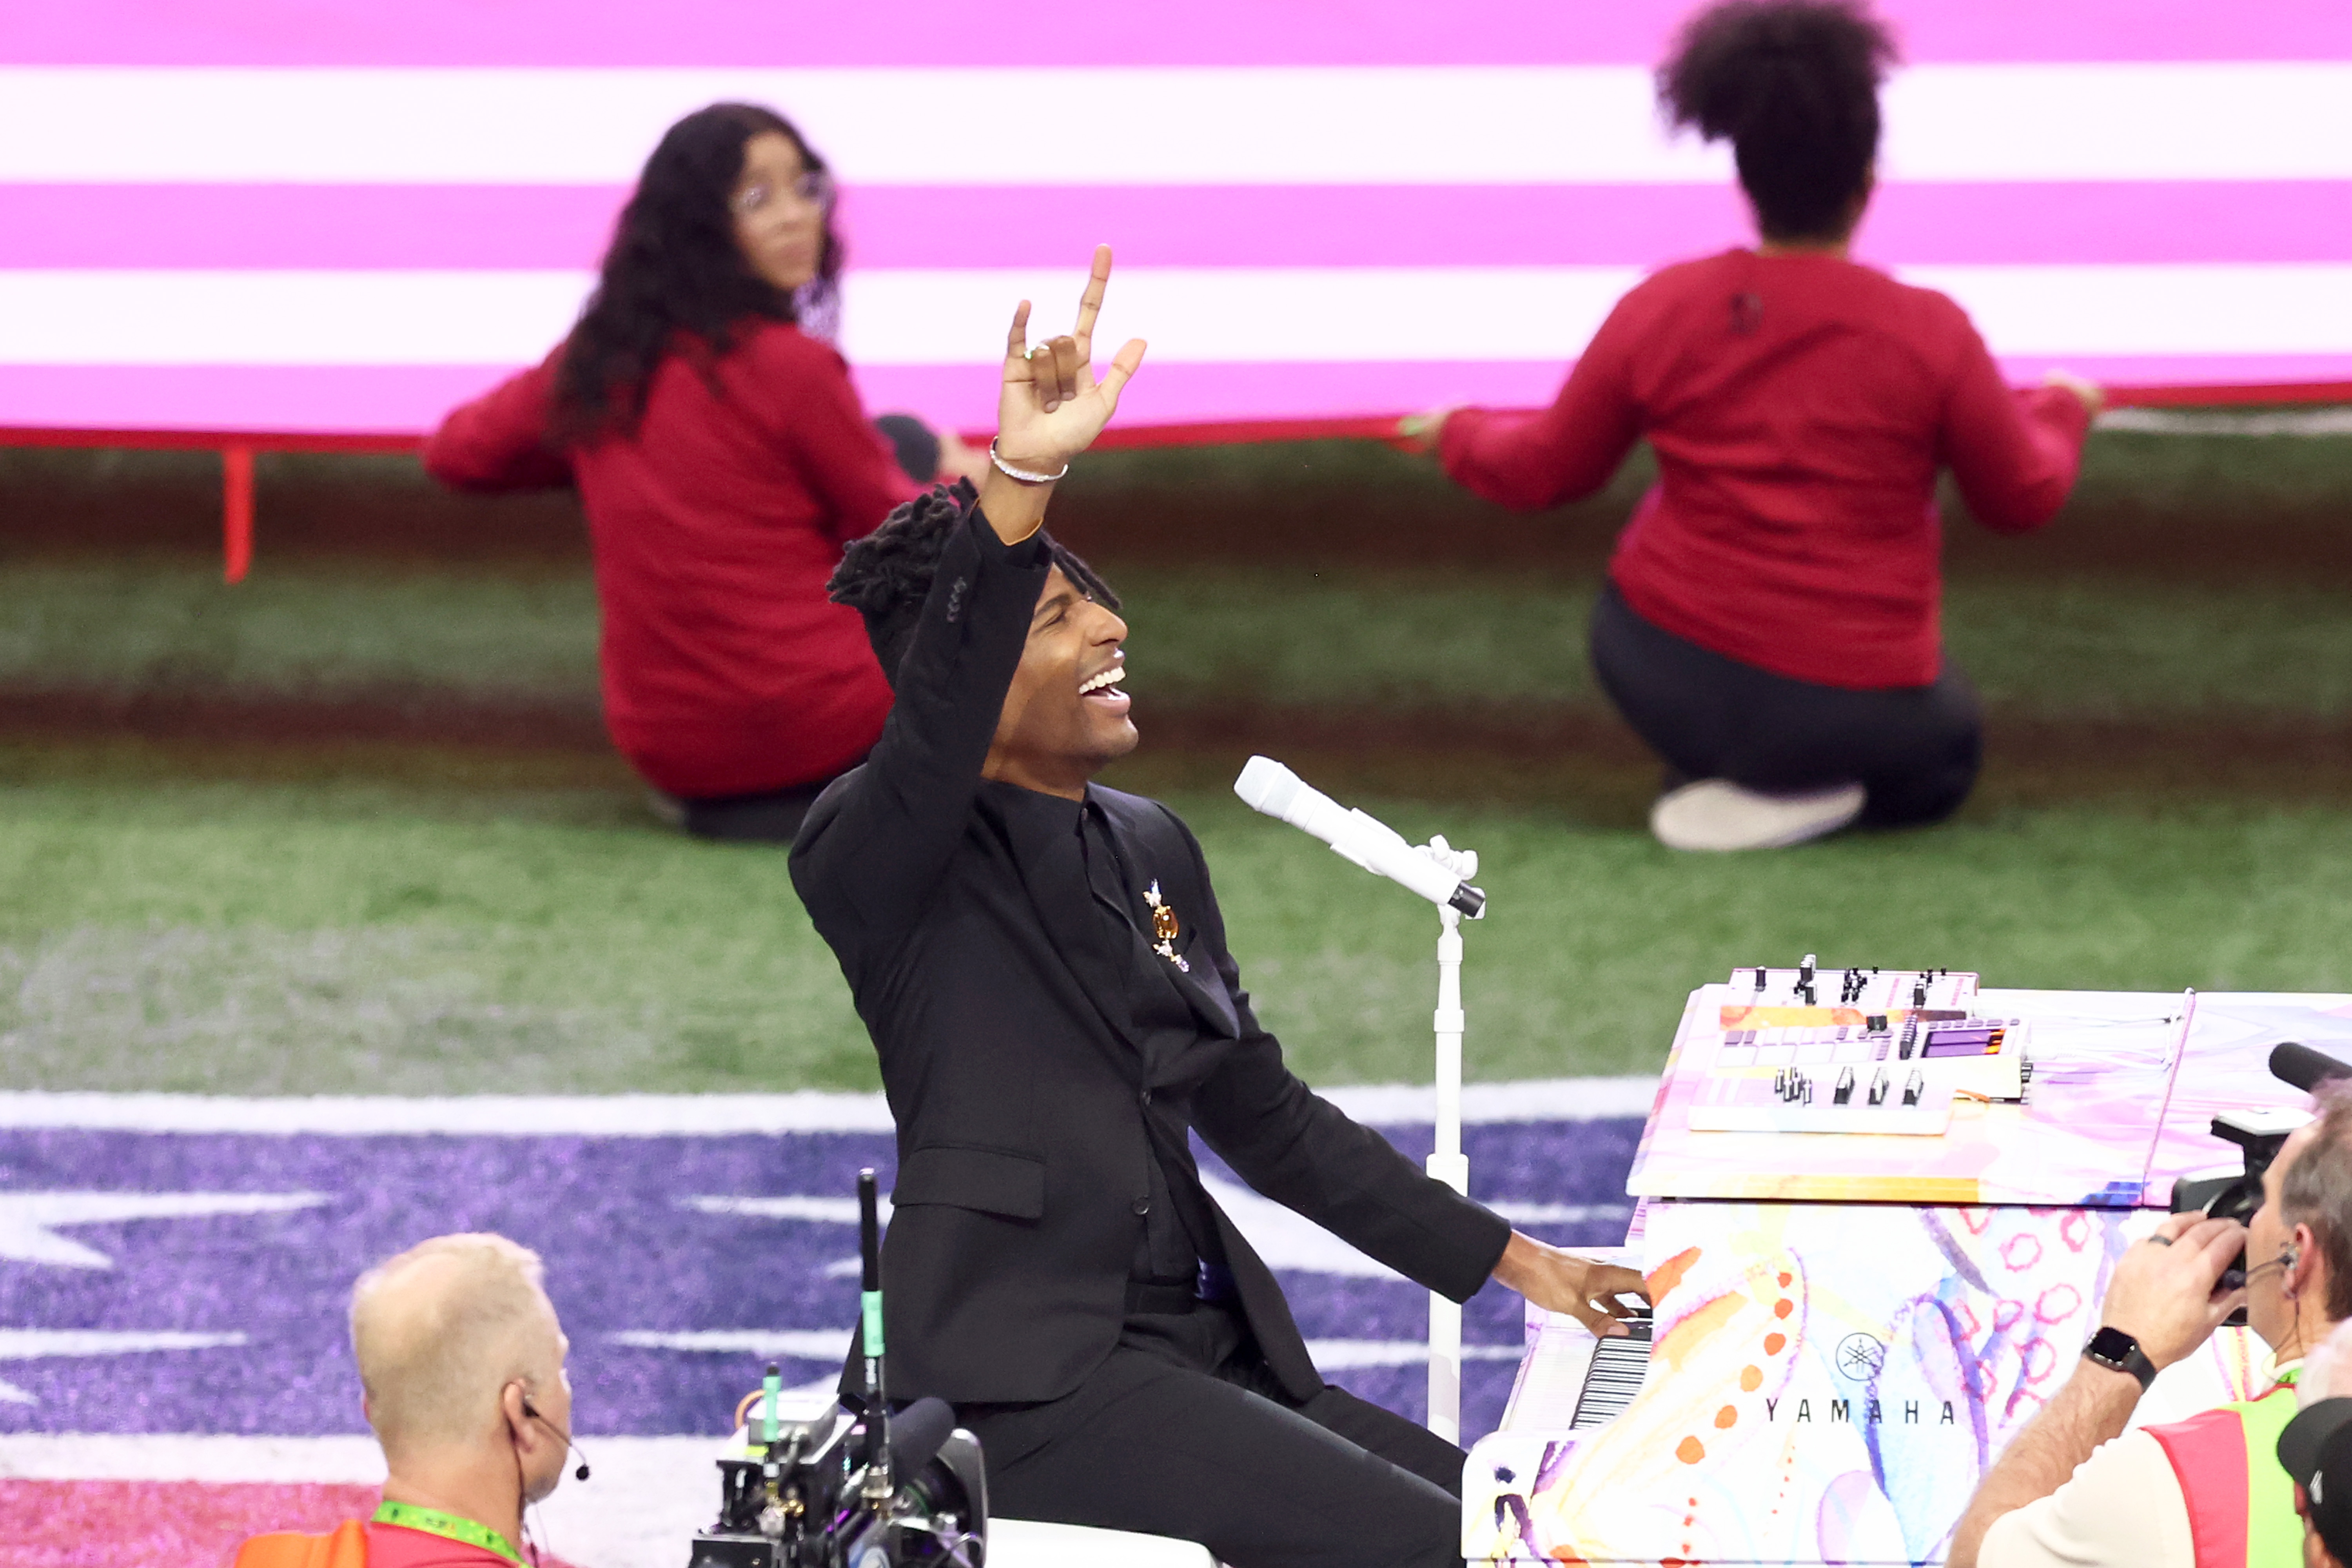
1793	84
887	576
674	272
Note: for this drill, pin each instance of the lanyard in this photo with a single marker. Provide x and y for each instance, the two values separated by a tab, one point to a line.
433	1521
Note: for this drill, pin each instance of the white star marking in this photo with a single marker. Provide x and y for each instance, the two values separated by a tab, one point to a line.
40	1344
787	1345
825	1211
29	1221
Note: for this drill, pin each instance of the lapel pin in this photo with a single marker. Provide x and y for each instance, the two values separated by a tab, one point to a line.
1164	927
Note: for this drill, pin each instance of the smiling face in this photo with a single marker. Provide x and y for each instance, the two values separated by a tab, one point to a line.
1065	717
780	206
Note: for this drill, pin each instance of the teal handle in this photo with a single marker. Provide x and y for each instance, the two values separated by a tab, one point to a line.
872	1300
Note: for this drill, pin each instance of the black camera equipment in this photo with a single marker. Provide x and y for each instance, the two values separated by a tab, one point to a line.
2261	1133
850	1488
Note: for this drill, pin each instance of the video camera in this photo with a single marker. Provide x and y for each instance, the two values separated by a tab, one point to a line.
848	1489
2262	1134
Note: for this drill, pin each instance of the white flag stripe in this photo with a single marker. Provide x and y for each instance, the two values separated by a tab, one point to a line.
1337	125
1192	315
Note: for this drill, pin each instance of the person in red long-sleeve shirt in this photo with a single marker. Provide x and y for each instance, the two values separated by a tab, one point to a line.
1771	621
723	461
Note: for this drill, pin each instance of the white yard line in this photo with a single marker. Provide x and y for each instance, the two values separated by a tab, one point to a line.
713	1115
2220	422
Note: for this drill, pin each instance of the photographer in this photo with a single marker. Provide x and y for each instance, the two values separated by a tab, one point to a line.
2075	1488
461	1364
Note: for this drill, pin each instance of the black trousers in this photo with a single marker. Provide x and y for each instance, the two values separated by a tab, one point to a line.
773	817
1916	749
1183	1433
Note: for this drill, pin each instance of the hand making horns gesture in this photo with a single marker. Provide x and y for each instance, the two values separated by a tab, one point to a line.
1052	407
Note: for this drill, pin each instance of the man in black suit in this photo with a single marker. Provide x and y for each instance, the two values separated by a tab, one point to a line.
1042	968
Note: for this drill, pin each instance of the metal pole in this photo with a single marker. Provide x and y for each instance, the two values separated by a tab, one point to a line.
1447	1163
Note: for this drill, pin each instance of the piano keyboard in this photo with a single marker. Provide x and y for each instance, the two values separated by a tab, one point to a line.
1619	1364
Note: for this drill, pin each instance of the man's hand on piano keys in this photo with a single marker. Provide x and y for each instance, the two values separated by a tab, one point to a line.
1560	1281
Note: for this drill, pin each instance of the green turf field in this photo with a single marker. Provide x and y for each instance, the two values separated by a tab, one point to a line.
283	907
177	918
1278	635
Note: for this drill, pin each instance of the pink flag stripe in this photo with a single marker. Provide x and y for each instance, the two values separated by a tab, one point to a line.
1074	32
469	227
355	406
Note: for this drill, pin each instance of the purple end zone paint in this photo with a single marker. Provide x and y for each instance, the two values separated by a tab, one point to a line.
626	1248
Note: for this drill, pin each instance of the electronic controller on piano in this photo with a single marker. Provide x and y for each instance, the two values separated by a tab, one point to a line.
1892	1055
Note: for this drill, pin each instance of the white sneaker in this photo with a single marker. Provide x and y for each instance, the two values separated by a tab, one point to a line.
1715	814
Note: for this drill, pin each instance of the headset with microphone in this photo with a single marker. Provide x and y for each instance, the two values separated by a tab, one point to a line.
2237	1279
531	1412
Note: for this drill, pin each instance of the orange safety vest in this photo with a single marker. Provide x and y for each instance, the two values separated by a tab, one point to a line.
2240	1499
346	1548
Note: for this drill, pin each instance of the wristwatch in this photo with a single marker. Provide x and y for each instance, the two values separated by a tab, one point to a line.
2118	1352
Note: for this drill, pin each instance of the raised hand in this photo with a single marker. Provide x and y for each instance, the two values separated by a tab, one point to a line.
1051	407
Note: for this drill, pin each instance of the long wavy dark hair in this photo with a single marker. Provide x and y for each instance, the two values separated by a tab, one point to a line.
1794	86
675	280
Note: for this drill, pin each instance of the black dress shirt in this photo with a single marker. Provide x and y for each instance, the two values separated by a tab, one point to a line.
1177	1235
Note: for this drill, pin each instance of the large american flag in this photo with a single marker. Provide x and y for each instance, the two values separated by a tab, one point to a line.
343	215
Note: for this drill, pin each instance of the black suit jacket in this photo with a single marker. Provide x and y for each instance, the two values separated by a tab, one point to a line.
1028	1114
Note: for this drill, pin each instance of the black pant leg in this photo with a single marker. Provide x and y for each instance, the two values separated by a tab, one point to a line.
1146	1444
1684	707
1407	1445
1930	747
773	817
1915	749
915	444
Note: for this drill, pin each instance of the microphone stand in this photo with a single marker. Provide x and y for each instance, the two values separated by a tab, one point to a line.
1446	1162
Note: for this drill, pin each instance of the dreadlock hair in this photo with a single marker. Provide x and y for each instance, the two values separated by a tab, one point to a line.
887	576
1794	85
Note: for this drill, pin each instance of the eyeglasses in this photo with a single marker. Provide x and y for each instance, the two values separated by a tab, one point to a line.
815	188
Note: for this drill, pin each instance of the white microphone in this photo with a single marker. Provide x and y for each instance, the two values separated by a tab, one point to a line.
1267	786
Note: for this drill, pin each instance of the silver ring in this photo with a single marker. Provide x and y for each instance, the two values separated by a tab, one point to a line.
2161	1240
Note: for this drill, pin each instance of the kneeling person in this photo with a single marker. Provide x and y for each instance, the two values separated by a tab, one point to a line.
461	1361
1044	970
